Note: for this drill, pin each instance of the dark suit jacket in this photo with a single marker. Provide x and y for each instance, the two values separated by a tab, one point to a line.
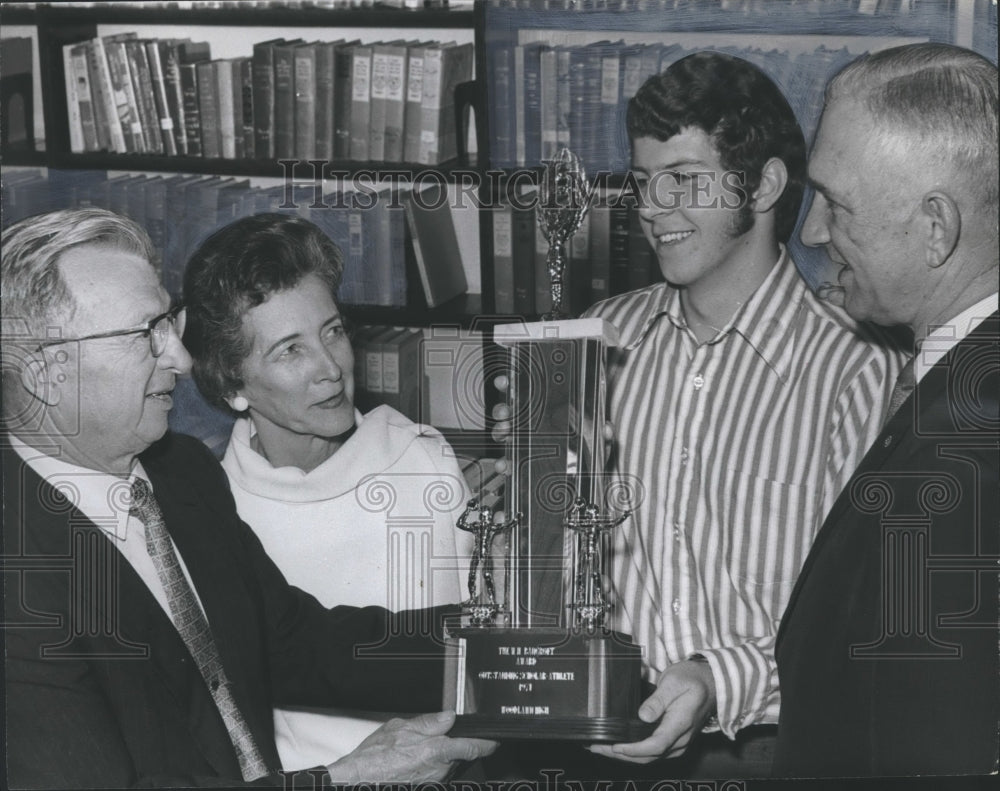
888	650
100	688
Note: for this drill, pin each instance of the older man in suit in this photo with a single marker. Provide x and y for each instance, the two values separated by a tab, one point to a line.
888	651
147	634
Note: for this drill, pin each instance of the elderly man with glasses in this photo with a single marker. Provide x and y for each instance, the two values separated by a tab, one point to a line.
148	636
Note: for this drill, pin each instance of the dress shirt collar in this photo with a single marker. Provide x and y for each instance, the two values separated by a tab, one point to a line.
944	337
101	497
764	321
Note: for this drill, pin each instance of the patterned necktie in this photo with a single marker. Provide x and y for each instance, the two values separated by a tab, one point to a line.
190	621
906	382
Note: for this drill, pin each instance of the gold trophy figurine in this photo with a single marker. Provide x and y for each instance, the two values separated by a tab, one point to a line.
563	202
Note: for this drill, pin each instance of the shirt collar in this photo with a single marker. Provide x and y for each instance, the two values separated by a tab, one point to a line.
103	498
944	337
765	321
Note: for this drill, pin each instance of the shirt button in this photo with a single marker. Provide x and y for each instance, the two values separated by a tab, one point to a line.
698	381
677	532
684	455
676	606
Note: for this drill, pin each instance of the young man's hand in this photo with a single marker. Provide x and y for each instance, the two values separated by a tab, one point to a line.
683	702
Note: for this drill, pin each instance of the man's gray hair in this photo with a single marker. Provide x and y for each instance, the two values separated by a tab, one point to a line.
942	97
33	292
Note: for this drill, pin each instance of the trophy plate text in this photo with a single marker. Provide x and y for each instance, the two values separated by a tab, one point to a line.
544	683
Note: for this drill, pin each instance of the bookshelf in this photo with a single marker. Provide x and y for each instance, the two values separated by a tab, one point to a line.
799	43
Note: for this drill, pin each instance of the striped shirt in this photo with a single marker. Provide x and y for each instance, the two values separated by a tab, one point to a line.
738	448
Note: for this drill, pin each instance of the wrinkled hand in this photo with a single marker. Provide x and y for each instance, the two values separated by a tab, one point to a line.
684	699
408	751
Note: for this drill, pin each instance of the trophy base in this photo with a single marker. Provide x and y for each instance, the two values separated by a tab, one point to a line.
576	729
544	683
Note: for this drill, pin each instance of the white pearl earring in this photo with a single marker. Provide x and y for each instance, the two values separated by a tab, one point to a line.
239	404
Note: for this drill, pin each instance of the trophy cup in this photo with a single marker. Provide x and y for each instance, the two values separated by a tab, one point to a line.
534	657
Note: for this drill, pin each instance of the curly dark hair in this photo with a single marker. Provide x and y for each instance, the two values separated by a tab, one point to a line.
743	111
236	269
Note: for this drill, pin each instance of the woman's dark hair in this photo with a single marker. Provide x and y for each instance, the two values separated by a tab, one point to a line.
742	110
236	269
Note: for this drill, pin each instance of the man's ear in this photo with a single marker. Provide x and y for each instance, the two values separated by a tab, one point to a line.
42	376
944	224
773	179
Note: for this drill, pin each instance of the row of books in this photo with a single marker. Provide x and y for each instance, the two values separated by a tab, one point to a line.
608	255
180	211
290	99
547	97
388	370
432	375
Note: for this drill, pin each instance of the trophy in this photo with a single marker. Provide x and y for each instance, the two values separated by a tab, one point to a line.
533	656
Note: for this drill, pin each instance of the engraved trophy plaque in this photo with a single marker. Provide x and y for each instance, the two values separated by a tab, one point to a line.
534	657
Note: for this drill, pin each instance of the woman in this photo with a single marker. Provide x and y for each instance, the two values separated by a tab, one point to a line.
356	509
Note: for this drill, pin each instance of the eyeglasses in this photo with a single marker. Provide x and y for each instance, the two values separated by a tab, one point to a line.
157	329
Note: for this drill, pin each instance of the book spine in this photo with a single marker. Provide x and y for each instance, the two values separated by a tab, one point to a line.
563	99
397	256
618	233
245	98
600	253
76	142
121	82
502	118
373	367
376	122
85	98
305	102
208	104
109	130
414	95
503	260
431	106
284	101
192	108
263	99
390	368
343	59
520	153
523	257
223	72
142	86
610	144
158	79
395	104
170	63
548	101
325	69
411	380
361	68
532	106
